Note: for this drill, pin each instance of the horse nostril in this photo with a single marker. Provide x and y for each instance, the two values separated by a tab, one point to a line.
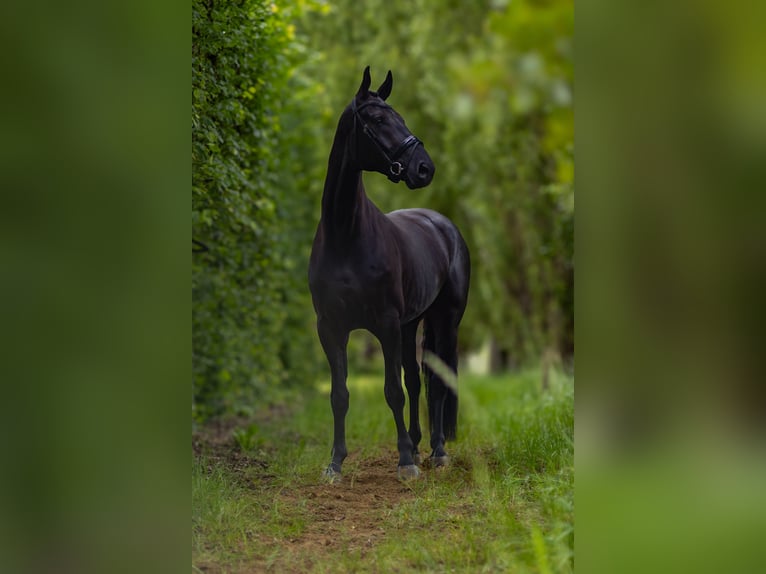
423	170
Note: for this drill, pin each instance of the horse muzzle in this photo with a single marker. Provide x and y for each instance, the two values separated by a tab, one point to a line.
419	170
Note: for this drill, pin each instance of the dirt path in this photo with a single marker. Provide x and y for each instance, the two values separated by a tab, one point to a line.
339	518
347	517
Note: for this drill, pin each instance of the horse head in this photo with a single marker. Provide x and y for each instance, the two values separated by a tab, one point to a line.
380	140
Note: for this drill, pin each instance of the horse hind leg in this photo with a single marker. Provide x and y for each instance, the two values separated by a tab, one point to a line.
412	382
390	336
440	342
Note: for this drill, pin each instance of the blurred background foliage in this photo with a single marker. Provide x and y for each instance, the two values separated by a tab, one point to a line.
487	85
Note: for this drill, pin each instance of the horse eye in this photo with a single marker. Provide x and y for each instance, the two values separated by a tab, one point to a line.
379	120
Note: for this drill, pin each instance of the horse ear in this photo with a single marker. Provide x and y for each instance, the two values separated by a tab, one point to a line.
364	87
385	88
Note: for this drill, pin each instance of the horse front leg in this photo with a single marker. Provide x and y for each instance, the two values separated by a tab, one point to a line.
391	340
334	343
412	382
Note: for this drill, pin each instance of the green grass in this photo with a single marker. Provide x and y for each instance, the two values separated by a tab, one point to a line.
504	505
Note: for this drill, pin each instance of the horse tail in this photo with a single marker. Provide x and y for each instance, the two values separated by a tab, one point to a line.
450	415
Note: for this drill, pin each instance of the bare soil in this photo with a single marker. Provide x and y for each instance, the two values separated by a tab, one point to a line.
340	518
347	517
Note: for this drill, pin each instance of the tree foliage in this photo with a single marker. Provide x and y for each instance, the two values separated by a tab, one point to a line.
489	87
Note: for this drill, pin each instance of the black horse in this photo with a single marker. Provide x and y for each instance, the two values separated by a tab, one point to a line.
386	272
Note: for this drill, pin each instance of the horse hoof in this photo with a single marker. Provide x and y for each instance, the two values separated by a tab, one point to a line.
409	472
417	459
331	476
437	461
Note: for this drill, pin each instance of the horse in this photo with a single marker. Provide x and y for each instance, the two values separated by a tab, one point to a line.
385	273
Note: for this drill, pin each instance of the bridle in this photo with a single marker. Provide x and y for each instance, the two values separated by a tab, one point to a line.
396	167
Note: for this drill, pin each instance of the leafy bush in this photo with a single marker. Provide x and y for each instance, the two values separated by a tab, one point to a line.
250	311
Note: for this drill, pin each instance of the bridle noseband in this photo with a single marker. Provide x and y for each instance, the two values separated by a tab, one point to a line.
396	168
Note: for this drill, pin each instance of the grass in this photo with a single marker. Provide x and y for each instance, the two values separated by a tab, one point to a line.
505	504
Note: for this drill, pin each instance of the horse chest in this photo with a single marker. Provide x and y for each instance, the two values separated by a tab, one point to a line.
353	288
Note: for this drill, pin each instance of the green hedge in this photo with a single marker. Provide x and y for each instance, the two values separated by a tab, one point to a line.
252	331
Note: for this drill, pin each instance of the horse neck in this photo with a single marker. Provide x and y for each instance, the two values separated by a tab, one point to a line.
344	202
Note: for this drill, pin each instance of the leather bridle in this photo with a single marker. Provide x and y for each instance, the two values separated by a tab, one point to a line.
397	169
